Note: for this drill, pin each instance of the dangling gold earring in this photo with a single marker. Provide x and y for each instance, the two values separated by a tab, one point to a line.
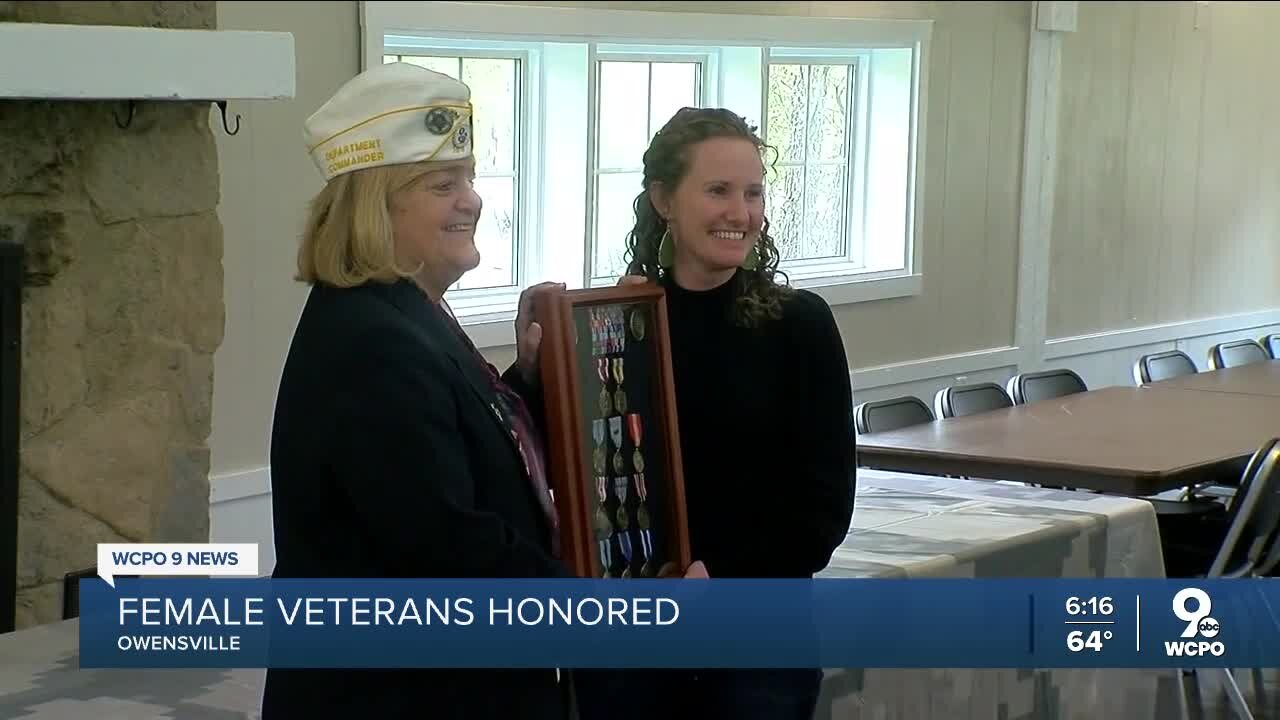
752	260
666	249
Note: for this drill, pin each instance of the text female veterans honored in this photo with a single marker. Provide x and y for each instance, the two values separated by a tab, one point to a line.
375	611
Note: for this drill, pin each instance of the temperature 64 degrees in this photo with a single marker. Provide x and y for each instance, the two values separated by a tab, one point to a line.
1078	640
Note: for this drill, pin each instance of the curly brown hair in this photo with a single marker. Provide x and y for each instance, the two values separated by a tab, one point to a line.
666	161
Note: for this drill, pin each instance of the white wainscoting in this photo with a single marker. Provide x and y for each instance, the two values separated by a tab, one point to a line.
1101	359
240	511
240	502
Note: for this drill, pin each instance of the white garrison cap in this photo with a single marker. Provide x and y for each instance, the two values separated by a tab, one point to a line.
389	115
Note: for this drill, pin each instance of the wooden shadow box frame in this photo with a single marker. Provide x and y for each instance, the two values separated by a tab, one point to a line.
607	382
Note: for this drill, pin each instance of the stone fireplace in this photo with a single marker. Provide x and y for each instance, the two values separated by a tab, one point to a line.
121	312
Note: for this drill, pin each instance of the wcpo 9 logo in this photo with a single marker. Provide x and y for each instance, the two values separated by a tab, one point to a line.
1192	606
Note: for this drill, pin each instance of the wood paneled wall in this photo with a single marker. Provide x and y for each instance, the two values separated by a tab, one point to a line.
1168	166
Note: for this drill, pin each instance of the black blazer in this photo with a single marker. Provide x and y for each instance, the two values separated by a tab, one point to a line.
388	460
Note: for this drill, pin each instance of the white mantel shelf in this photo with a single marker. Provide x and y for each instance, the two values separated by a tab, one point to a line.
108	62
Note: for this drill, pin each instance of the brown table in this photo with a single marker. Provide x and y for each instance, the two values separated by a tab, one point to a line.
1135	441
1261	378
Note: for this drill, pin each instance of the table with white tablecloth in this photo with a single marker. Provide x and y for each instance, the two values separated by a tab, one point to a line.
915	526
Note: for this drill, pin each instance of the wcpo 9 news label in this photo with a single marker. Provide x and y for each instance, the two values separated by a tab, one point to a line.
199	606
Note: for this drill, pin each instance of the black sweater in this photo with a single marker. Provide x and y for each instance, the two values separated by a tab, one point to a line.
766	433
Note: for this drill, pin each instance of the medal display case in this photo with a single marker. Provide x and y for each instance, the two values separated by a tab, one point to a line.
615	464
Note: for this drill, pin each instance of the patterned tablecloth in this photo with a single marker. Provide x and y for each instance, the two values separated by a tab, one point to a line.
925	526
903	526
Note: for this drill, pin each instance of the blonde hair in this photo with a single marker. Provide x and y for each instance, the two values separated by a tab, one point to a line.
348	239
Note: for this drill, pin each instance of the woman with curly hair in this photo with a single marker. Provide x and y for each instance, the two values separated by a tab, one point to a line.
761	378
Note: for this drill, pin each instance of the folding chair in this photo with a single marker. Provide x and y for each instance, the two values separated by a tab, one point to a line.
891	414
1236	353
1036	386
961	400
1162	366
1249	548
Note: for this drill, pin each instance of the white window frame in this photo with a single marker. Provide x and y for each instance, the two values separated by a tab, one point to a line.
496	299
852	263
708	61
488	304
527	26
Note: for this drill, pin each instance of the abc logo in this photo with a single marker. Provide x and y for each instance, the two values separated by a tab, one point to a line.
1208	627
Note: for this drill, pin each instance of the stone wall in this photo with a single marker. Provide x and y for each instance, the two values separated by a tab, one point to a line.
122	313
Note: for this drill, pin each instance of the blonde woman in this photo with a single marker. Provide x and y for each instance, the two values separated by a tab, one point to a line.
396	450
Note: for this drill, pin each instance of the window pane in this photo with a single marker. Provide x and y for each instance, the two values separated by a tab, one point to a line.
788	88
785	210
809	109
495	235
888	156
615	198
825	195
446	65
623	114
493	94
675	85
828	111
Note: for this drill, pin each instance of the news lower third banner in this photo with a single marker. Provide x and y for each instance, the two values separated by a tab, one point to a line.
250	622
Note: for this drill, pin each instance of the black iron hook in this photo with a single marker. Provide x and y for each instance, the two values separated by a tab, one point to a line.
222	105
133	108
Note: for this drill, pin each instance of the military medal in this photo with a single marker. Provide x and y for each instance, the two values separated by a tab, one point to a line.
615	432
642	520
603	325
602	528
637	323
595	331
598	457
606	332
621	320
613	329
610	333
635	431
620	490
624	540
602	515
619	396
602	370
624	537
608	321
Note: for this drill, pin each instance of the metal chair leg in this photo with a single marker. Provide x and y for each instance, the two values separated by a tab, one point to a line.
1181	686
1237	698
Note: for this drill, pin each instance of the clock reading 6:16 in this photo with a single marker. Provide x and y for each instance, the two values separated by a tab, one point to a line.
1089	606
